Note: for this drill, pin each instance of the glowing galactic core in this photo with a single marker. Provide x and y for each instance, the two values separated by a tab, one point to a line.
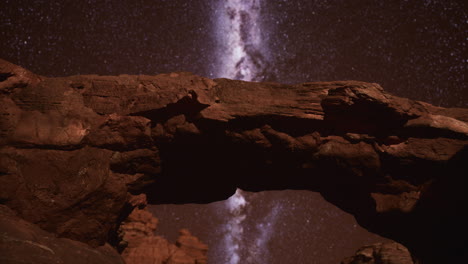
241	48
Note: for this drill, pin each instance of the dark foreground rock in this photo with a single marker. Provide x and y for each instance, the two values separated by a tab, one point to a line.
23	242
382	253
74	150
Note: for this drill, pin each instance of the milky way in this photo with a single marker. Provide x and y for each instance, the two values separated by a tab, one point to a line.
268	227
241	53
234	227
241	48
414	49
246	240
258	252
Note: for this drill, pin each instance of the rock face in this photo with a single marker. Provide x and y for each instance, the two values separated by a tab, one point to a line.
141	246
23	242
384	253
74	149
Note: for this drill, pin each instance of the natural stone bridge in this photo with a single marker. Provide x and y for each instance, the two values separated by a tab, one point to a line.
75	149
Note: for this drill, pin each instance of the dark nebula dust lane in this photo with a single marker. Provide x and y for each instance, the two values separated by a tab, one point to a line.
415	49
240	33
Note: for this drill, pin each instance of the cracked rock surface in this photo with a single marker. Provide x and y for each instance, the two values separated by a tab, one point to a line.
74	150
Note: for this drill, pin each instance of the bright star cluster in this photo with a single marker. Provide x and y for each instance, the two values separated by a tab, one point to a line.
242	50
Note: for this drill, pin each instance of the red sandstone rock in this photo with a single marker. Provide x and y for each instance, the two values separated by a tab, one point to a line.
15	77
382	253
23	242
138	201
73	148
71	193
143	247
192	246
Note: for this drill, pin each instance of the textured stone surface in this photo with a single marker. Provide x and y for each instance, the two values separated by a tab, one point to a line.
73	148
23	242
192	246
141	246
381	253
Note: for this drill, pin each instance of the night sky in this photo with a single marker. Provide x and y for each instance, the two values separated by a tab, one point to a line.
415	49
269	227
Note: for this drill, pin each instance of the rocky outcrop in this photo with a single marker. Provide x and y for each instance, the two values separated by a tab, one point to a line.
23	242
141	246
384	253
73	149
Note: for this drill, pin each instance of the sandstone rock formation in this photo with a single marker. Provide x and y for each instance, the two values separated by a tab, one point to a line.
141	246
23	242
383	253
75	149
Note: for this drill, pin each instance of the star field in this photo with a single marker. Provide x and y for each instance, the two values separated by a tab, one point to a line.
62	38
268	227
415	49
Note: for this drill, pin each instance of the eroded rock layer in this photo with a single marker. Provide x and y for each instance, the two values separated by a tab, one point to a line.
75	149
385	253
141	246
24	242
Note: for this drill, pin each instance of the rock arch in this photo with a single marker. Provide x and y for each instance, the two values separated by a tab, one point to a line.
74	149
